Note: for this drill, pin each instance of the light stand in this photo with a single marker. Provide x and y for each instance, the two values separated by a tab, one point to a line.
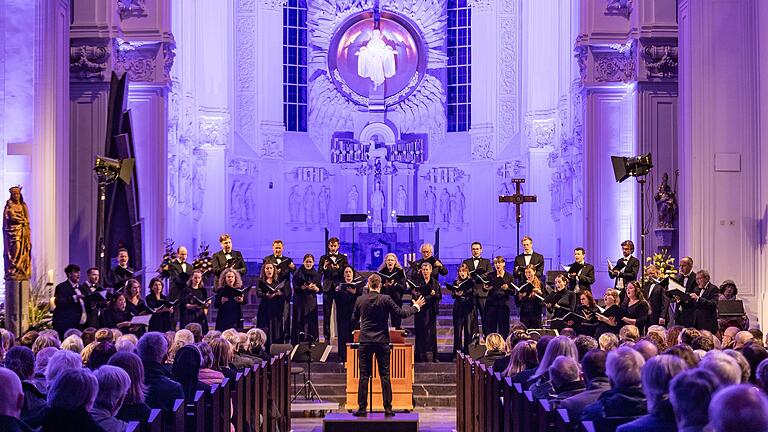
108	171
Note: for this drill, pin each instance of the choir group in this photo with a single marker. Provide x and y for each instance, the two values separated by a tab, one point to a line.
481	291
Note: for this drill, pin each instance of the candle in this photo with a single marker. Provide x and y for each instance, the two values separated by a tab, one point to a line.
50	276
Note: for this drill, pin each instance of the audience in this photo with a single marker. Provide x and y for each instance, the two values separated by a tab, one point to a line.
207	375
257	339
161	391
626	399
134	408
522	362
691	414
21	361
494	349
593	369
113	387
186	371
725	368
608	341
741	339
11	403
741	408
584	344
656	375
70	399
72	343
541	387
565	376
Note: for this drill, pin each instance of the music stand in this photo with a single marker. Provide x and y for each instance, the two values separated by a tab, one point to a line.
353	217
308	352
410	220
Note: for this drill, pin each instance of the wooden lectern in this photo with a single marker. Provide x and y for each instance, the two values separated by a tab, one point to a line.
401	373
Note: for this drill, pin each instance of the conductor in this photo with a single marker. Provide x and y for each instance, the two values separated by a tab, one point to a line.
371	313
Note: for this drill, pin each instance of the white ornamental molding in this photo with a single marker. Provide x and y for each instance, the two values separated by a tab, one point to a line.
508	71
89	61
308	174
445	175
247	6
661	61
619	7
242	167
480	5
138	59
131	9
482	147
616	64
271	145
213	130
540	132
274	4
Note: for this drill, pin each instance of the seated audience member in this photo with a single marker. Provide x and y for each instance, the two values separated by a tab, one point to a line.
70	398
239	361
523	359
88	335
257	339
565	376
60	362
180	339
7	341
494	349
742	338
685	353
29	338
126	343
186	371
657	339
761	375
729	337
100	355
629	332
207	375
625	400
524	377
21	361
113	387
746	371
211	335
593	370
45	341
11	402
657	374
571	333
133	408
725	368
740	408
702	343
585	344
41	362
500	364
608	341
541	387
687	335
646	348
197	331
222	357
72	343
691	413
754	355
161	391
757	334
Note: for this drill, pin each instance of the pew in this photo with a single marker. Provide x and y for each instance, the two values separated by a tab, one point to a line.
460	398
563	421
212	409
546	415
133	426
260	398
470	396
479	394
507	389
237	395
194	419
497	408
173	420
154	422
517	407
529	413
249	400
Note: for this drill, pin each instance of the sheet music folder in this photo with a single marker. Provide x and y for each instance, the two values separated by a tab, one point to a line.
412	218
730	308
353	217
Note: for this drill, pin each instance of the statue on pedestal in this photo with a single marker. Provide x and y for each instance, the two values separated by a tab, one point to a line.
666	204
377	205
16	238
402	201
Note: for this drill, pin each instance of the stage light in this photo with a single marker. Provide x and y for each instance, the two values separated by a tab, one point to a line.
110	170
626	167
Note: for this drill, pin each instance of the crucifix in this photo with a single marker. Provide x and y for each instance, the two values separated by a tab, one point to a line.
518	199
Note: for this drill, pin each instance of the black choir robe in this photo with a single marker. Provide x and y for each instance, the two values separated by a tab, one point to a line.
283	273
69	310
160	321
230	311
705	317
332	277
616	312
536	259
589	326
658	301
583	279
271	309
395	288
561	303
305	318
639	311
94	307
685	311
111	317
464	314
345	306
178	276
118	276
628	269
190	313
530	308
497	306
426	320
219	263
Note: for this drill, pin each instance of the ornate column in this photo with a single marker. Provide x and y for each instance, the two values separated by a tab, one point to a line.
722	142
485	61
270	72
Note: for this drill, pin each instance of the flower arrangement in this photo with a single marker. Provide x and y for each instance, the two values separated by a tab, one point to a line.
663	262
168	257
203	261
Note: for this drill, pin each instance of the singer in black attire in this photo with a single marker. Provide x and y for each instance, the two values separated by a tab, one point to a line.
560	302
464	312
370	315
284	268
611	319
273	297
229	301
589	310
426	322
497	305
161	315
479	266
393	284
115	315
306	285
194	293
331	266
530	306
347	293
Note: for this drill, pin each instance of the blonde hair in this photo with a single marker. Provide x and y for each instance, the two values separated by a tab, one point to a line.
222	353
223	278
494	342
256	338
608	341
384	263
182	338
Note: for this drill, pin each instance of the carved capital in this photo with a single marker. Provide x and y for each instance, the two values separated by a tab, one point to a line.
138	59
661	61
540	132
89	60
482	147
131	9
619	7
614	66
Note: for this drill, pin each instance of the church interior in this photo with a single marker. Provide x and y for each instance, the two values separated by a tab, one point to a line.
622	141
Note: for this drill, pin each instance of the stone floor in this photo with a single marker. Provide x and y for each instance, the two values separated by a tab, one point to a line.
430	420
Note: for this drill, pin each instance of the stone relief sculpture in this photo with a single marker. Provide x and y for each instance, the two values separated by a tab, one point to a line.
445	206
17	241
352	198
458	204
377	202
324	203
402	201
294	204
504	212
309	205
198	187
249	206
430	204
376	60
